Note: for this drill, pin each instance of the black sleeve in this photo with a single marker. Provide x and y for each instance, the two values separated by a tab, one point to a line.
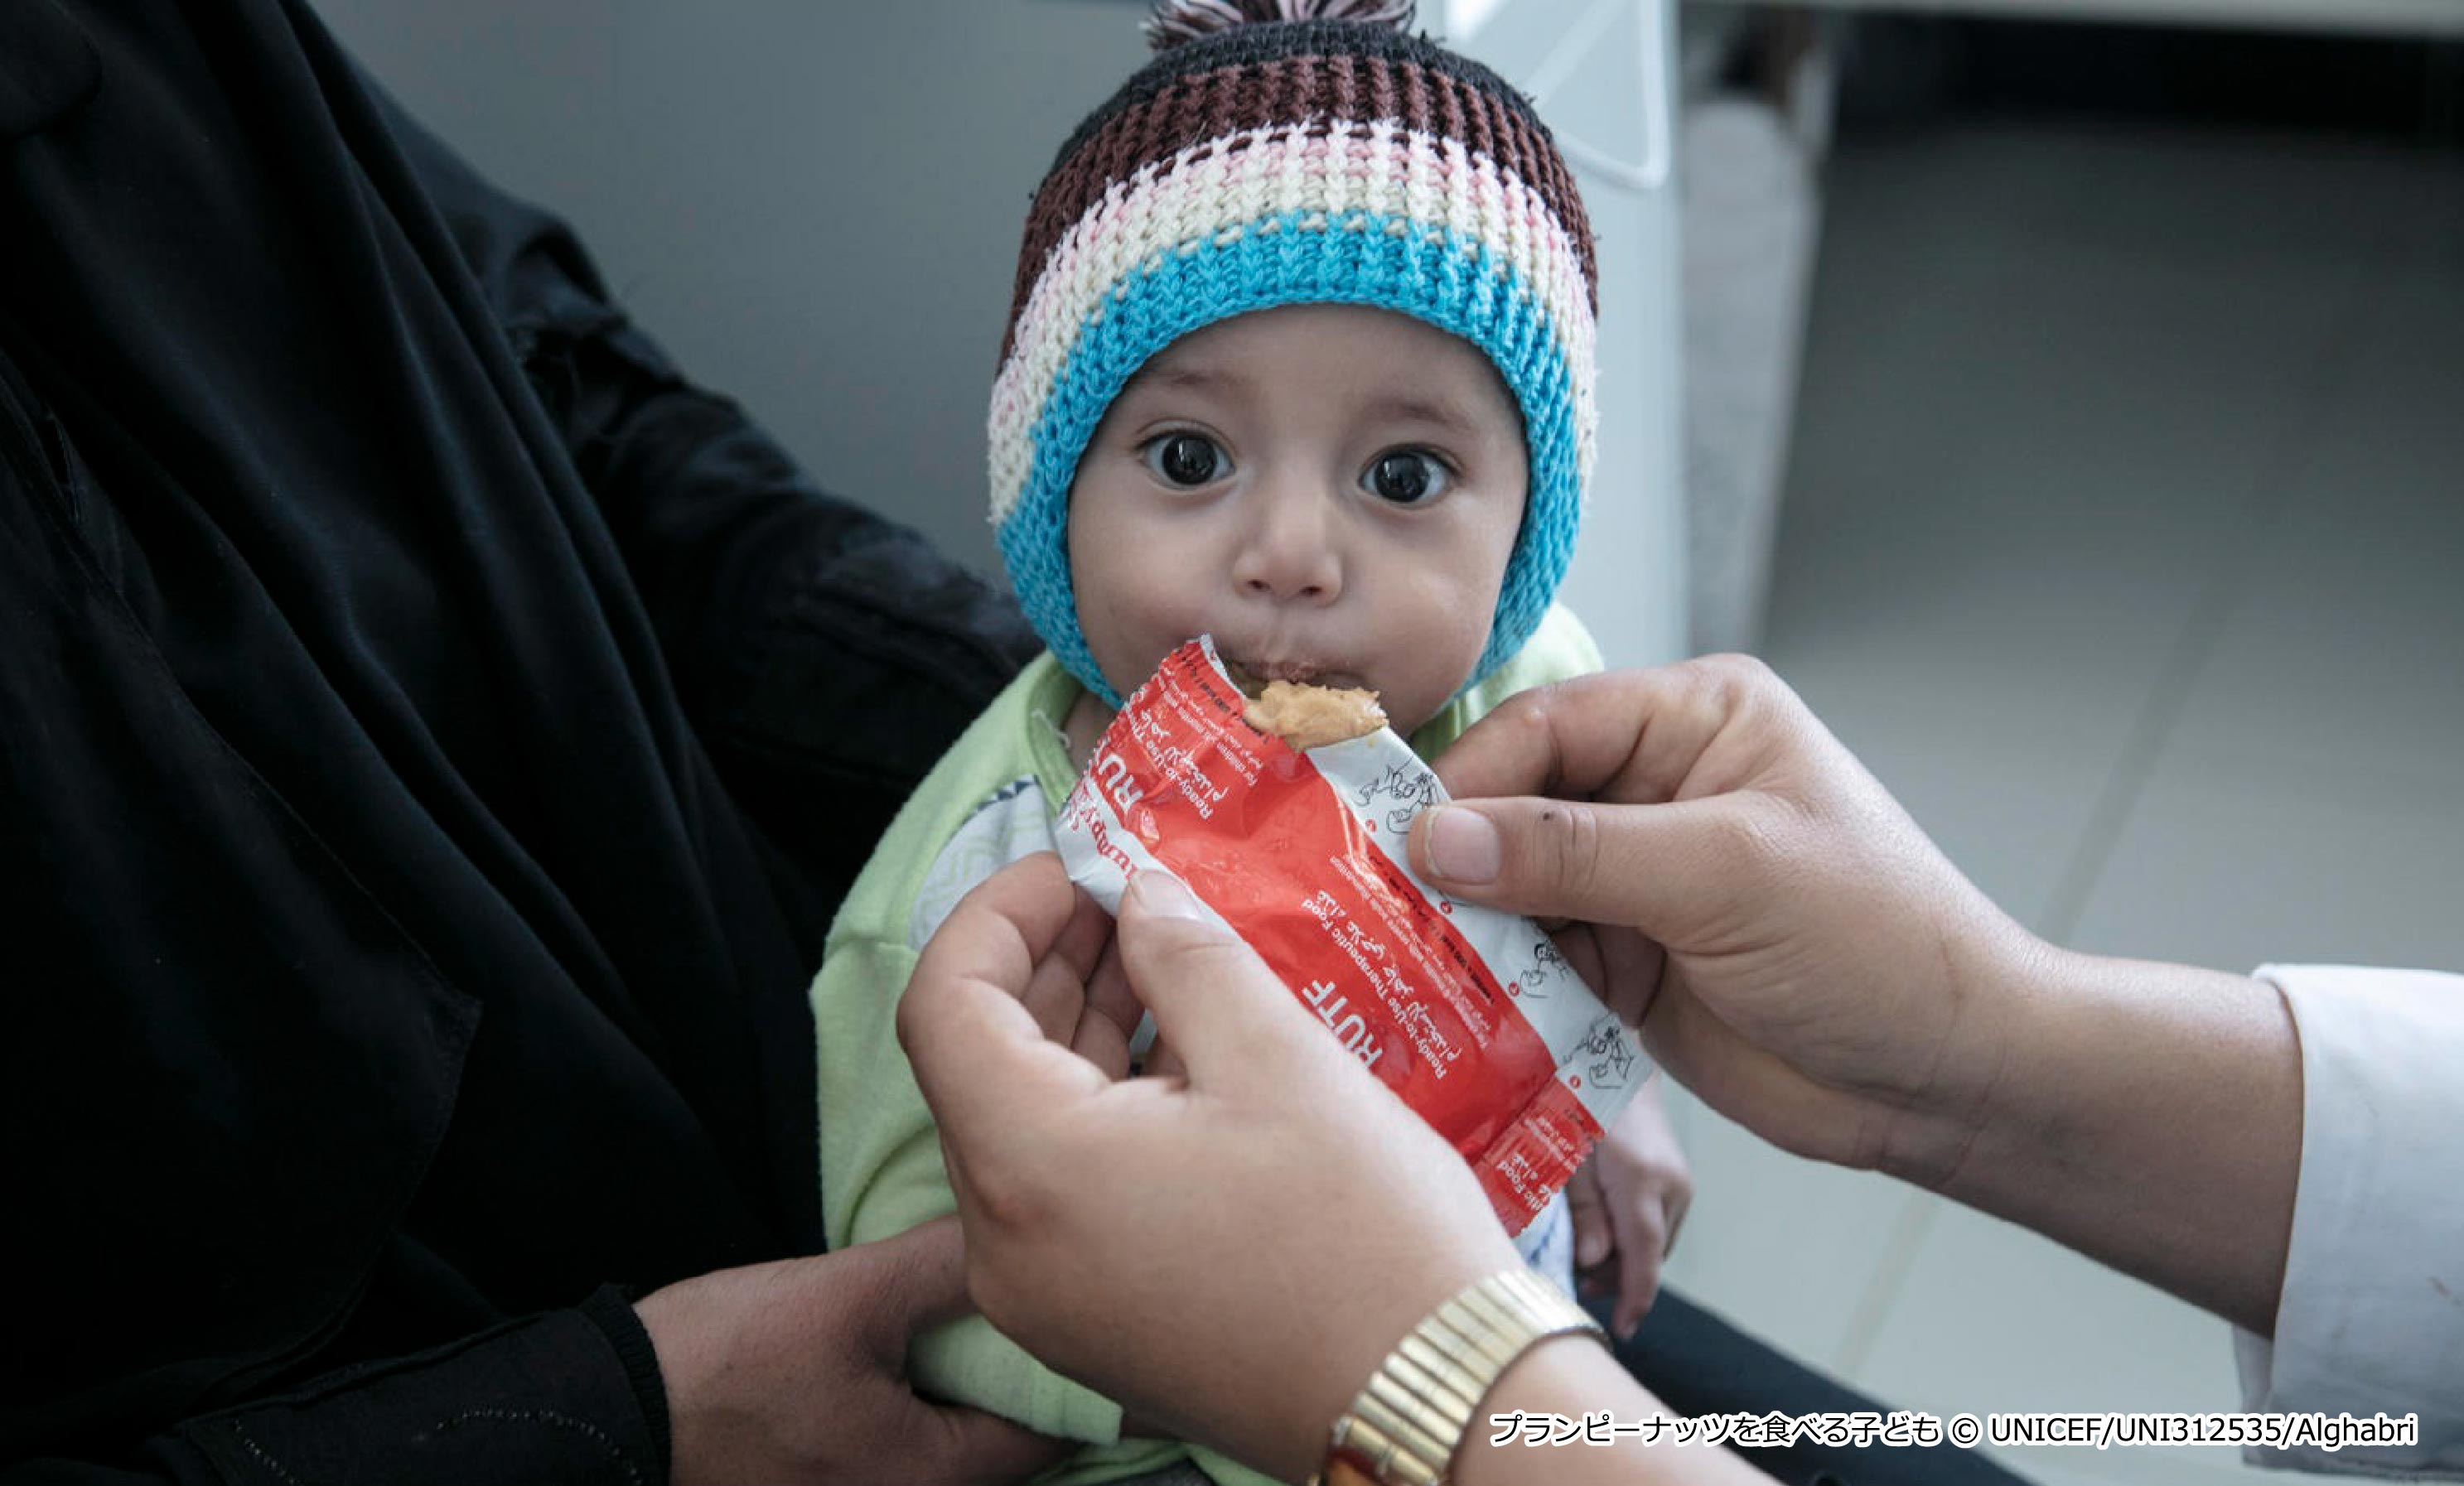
571	1397
823	653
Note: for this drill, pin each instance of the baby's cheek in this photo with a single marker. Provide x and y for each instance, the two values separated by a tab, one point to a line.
1148	640
1457	640
1171	620
1416	695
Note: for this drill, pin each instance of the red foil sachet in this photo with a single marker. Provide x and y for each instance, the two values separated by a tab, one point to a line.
1470	1015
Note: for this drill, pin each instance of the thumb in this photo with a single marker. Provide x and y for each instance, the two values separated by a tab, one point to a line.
924	1282
1214	1002
1669	870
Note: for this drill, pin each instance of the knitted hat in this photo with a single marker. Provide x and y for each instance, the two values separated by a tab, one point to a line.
1289	152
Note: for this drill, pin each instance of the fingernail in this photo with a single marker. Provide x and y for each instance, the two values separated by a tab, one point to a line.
1463	846
1165	896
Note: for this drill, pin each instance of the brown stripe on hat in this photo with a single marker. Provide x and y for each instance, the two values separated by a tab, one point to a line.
1331	93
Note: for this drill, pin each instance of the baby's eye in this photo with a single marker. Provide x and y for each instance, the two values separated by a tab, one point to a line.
1407	477
1187	460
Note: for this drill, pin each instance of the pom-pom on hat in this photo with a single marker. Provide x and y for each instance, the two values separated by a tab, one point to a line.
1294	152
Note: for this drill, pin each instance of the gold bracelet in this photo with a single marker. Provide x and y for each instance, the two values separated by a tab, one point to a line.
1404	1428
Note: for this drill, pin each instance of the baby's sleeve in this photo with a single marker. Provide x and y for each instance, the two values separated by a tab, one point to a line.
882	1176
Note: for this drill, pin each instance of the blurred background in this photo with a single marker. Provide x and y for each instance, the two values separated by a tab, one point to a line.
2066	396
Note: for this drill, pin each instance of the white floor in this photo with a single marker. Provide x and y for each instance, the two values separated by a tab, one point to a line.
2125	541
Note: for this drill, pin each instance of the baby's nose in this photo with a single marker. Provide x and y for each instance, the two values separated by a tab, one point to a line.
1288	550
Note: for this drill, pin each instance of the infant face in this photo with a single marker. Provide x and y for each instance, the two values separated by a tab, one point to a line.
1332	490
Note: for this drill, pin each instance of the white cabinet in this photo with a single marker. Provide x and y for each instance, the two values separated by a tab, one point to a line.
1602	73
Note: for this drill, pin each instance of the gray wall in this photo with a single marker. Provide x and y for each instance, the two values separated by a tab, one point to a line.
814	205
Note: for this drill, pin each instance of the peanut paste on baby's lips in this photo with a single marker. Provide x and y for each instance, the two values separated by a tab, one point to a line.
1288	814
1306	717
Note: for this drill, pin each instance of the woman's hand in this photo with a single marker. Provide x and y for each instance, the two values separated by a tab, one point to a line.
796	1371
1809	964
1828	980
1228	1251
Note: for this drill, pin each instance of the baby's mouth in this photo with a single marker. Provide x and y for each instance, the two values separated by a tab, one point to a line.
1251	676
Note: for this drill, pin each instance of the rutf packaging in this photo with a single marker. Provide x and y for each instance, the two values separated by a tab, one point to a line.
1470	1015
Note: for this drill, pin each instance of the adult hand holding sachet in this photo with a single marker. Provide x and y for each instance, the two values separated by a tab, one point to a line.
1810	964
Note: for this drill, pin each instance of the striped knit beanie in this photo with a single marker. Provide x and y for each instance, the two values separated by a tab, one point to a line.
1287	152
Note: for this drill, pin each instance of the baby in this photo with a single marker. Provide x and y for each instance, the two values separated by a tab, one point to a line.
1301	357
